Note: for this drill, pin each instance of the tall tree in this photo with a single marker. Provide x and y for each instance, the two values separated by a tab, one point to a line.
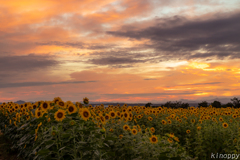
203	104
148	104
236	102
216	104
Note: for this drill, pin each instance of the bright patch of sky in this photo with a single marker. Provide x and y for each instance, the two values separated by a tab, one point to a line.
162	66
191	10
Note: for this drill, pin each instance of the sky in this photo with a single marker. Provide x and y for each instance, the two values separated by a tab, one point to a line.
119	51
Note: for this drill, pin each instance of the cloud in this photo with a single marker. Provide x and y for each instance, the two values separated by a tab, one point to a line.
198	84
26	63
75	45
28	84
111	60
177	37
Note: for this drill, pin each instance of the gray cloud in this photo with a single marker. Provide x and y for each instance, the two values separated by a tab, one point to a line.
28	84
77	45
197	84
25	63
178	37
111	60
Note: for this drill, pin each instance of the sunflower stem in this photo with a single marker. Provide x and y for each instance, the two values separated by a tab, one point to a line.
74	146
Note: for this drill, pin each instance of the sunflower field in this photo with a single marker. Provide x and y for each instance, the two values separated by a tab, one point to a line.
63	130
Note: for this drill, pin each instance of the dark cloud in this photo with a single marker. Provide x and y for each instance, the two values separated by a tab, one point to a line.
121	66
197	84
77	45
28	84
178	37
26	63
111	60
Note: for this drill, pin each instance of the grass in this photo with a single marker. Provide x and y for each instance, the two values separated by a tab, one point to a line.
5	149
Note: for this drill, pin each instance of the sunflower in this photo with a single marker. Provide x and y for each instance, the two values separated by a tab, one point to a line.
54	133
62	104
150	118
188	131
45	106
56	99
102	118
134	131
176	139
111	130
234	116
60	115
85	114
125	127
112	114
30	107
72	122
164	122
169	121
85	100
129	119
225	125
221	119
198	128
118	114
152	130
171	135
193	120
153	139
139	116
71	109
38	113
125	115
170	140
107	117
34	106
120	136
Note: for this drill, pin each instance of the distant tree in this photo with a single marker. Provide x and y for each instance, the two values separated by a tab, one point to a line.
185	105
148	104
203	104
236	102
216	104
229	104
177	104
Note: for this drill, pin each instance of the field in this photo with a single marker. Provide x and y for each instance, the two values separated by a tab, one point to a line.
63	130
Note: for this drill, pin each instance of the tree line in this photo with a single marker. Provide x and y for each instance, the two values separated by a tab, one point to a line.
235	102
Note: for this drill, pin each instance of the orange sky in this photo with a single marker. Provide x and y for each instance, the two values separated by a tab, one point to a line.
132	51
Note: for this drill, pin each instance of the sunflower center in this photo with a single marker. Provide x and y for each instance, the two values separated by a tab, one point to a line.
85	114
60	115
154	139
39	114
71	109
45	105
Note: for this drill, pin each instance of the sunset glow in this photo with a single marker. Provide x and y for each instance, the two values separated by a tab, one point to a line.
119	51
